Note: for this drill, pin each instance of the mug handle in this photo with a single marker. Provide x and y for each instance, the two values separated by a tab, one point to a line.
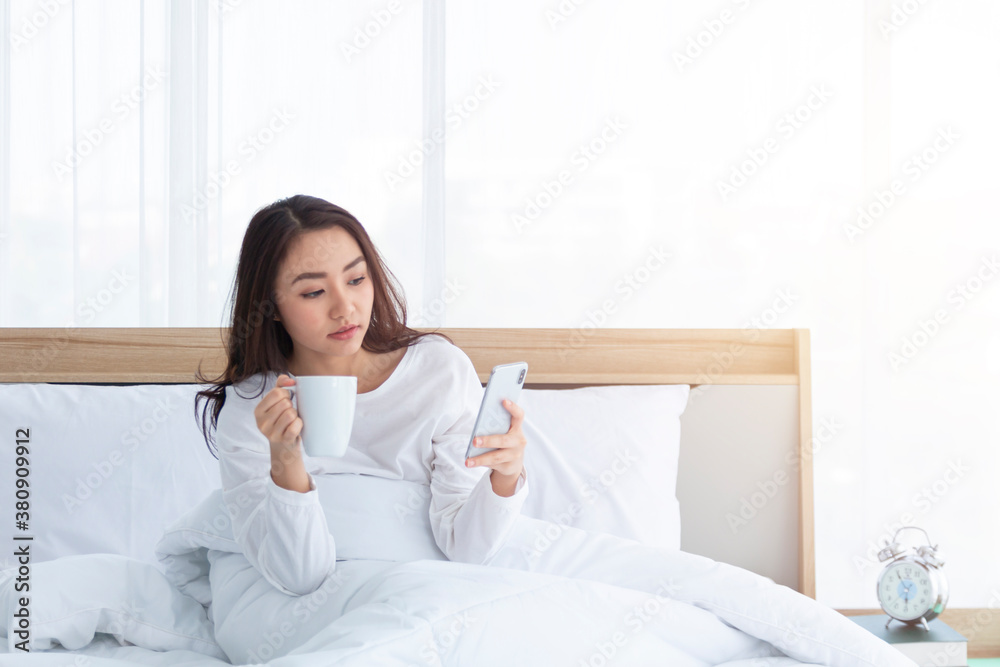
291	392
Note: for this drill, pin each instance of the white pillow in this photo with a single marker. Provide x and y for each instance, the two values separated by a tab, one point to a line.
109	467
75	597
605	459
97	452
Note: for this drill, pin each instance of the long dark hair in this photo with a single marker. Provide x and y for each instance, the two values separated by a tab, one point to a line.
257	342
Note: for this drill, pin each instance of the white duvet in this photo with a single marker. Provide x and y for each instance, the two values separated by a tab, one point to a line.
581	599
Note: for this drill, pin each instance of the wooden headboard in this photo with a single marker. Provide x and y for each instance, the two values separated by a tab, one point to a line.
557	358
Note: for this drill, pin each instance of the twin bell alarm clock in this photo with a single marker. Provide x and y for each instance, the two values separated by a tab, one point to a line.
912	588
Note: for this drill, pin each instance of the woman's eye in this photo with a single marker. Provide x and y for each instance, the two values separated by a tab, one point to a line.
313	295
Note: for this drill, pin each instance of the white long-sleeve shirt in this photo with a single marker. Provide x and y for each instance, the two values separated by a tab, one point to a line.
414	426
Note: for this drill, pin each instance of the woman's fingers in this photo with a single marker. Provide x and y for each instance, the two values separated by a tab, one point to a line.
485	442
281	390
270	410
516	413
491	458
278	394
509	446
275	425
276	416
500	441
508	439
291	428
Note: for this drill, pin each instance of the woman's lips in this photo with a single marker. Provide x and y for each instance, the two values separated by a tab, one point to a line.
346	335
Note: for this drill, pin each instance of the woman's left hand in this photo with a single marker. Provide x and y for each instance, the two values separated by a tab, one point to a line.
508	459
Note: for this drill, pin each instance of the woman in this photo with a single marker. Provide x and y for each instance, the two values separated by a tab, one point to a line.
313	297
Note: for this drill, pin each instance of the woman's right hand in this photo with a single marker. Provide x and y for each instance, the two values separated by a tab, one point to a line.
277	418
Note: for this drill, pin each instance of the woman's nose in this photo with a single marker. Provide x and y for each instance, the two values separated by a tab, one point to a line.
340	305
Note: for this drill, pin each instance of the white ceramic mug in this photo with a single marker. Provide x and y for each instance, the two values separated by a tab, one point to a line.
326	405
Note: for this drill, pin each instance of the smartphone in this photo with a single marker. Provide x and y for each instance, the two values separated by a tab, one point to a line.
505	381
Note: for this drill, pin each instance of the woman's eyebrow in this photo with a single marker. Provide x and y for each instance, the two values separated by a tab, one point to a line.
322	274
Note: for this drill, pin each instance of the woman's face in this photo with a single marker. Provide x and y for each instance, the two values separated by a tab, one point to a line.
323	286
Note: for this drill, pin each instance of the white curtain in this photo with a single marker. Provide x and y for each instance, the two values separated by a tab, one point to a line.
562	164
145	135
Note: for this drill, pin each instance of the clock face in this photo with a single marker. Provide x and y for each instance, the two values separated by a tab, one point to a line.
905	591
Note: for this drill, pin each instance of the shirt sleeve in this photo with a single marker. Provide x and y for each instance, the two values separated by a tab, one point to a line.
469	521
283	533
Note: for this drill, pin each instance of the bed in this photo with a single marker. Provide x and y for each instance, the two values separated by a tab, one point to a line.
670	549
